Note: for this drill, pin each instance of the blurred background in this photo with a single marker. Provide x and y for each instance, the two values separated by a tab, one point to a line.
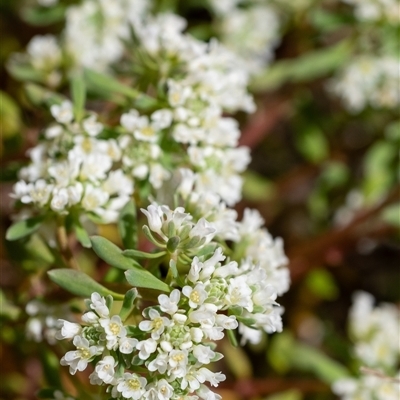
324	176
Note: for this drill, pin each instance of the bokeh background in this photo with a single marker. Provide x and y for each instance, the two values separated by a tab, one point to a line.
323	176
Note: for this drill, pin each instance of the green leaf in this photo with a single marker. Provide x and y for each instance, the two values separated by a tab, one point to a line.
24	72
43	16
256	187
80	284
141	254
286	353
311	65
23	228
38	95
322	284
78	94
127	225
312	144
127	305
51	367
10	116
391	215
112	254
109	85
82	235
144	279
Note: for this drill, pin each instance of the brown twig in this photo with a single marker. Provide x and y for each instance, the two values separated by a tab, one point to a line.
308	254
263	122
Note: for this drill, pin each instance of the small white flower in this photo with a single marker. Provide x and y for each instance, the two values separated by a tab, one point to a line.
105	369
203	353
131	386
91	126
68	330
170	304
114	329
127	345
78	359
98	304
60	199
146	348
63	113
156	325
196	295
154	218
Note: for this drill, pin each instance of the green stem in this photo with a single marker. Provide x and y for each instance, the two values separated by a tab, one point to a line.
63	245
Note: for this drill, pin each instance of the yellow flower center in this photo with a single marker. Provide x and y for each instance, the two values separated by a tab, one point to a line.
194	296
157	323
83	352
114	328
148	131
134	384
178	357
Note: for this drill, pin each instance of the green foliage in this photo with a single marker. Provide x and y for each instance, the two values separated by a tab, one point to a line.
127	225
285	353
321	283
127	305
78	94
79	283
43	16
292	394
23	228
312	144
144	279
310	66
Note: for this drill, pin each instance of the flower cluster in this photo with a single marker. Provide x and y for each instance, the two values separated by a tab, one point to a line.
173	341
375	10
74	170
375	332
369	80
252	32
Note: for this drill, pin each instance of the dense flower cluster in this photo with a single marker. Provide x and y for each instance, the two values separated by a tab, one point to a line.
375	332
73	170
252	32
369	81
172	340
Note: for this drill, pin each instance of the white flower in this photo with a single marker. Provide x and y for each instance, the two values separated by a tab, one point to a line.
60	199
170	304
161	119
239	293
105	369
156	325
79	359
146	348
68	330
154	218
91	126
94	198
130	120
98	304
196	295
114	329
160	390
160	363
63	113
44	52
203	353
127	345
131	386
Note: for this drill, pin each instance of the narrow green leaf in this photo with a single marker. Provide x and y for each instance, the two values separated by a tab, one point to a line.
51	367
107	84
311	65
127	305
38	95
43	16
82	235
23	228
232	338
80	284
24	72
144	279
78	94
127	225
112	254
141	254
